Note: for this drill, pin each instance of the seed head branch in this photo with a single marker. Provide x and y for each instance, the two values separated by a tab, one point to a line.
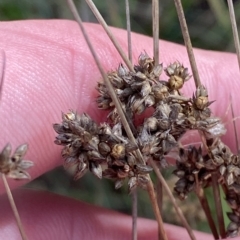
234	29
155	28
109	33
187	41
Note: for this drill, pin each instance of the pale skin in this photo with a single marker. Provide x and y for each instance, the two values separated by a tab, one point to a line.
50	70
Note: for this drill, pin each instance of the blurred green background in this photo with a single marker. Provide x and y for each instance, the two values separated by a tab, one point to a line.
209	27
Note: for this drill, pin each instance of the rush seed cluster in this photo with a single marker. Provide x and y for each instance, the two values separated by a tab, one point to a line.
106	151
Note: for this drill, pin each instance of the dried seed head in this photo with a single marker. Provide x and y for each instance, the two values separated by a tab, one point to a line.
201	98
178	75
160	92
14	166
145	63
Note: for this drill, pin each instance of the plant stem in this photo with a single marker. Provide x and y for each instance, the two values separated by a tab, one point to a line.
218	205
134	192
234	29
187	41
134	214
204	203
234	127
155	29
14	208
161	232
109	33
172	199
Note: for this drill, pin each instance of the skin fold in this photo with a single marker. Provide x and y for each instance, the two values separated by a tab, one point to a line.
50	70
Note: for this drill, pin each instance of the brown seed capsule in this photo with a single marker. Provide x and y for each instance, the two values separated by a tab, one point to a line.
140	76
201	102
160	92
104	148
175	82
118	151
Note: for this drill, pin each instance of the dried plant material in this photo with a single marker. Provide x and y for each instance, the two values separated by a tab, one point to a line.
15	166
178	75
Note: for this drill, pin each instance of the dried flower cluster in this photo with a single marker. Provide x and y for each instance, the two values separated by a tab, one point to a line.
106	151
14	166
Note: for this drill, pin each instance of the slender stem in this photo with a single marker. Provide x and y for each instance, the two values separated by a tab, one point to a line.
122	116
204	203
187	41
218	205
155	28
235	127
159	192
129	38
14	208
109	33
161	232
134	192
234	29
134	214
172	199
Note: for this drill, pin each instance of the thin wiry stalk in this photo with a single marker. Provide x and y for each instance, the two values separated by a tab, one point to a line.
234	29
134	192
204	203
235	128
218	205
202	198
159	192
161	232
134	214
109	33
14	208
129	37
206	208
121	113
187	41
196	77
155	28
172	199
